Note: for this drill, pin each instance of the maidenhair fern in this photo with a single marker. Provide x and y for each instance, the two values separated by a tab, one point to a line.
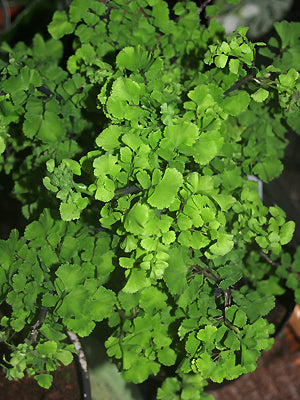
131	159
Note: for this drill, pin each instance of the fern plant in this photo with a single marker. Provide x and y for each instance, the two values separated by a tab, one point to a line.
131	159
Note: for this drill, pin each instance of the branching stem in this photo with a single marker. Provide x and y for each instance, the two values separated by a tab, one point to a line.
202	7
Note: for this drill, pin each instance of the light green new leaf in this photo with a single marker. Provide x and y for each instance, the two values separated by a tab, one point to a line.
262	241
234	65
109	138
126	262
286	232
2	145
144	179
289	78
68	211
140	370
260	95
44	380
132	58
221	60
185	133
106	191
47	348
60	26
137	280
166	190
65	356
223	246
126	89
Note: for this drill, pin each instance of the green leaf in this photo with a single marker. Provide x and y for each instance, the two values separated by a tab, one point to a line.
125	93
286	232
240	319
175	274
105	191
69	212
207	147
268	169
137	280
202	97
132	140
260	95
152	298
47	348
141	369
132	58
101	305
70	275
236	103
109	138
49	300
65	356
207	333
78	8
44	380
234	65
166	190
126	262
31	124
52	128
179	135
166	356
136	218
60	26
249	358
221	60
2	145
107	164
144	179
289	78
262	241
73	165
223	246
170	386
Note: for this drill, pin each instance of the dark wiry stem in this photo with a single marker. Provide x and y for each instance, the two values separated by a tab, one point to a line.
202	7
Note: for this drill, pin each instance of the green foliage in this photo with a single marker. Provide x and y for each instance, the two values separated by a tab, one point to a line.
141	214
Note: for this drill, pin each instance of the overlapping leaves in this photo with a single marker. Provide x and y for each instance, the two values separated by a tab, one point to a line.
140	134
